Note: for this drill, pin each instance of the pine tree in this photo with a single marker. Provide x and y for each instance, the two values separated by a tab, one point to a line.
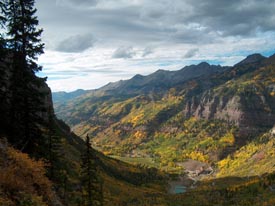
53	150
26	102
24	35
91	182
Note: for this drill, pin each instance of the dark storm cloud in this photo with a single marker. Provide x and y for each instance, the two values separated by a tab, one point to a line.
78	43
178	21
191	53
235	17
123	52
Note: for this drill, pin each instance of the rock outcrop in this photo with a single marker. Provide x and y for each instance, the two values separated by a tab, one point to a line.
6	93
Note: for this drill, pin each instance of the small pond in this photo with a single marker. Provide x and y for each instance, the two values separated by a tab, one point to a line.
178	189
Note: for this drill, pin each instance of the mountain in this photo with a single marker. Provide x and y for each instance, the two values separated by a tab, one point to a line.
65	96
253	58
202	112
160	80
157	83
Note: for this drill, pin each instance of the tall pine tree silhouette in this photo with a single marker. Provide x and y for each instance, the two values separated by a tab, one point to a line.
53	150
91	182
26	100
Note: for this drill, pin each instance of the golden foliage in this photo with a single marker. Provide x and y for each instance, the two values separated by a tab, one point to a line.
228	139
24	178
140	134
223	164
196	155
136	119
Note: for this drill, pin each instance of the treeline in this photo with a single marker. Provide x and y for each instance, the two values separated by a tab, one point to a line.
21	91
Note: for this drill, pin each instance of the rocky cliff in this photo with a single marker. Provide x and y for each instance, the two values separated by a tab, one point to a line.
40	89
246	99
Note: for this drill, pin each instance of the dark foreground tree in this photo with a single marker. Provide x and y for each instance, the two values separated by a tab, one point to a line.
53	150
91	182
26	100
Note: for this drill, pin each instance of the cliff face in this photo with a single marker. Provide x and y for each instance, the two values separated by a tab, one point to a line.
249	112
47	102
6	92
243	96
214	107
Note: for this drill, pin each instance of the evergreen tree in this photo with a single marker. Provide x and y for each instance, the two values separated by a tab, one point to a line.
53	151
24	36
91	182
26	101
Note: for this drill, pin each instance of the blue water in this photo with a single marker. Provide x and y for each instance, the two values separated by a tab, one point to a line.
179	189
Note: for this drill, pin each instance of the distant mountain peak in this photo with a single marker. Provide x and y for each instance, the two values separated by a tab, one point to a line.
138	76
204	64
253	58
161	71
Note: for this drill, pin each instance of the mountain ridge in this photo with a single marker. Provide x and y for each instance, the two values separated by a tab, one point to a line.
138	81
202	68
253	58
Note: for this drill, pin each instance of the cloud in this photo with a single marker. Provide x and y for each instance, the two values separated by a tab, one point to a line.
236	17
159	22
124	52
74	44
147	51
191	53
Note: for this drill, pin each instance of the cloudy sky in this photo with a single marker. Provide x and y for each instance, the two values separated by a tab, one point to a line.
92	42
